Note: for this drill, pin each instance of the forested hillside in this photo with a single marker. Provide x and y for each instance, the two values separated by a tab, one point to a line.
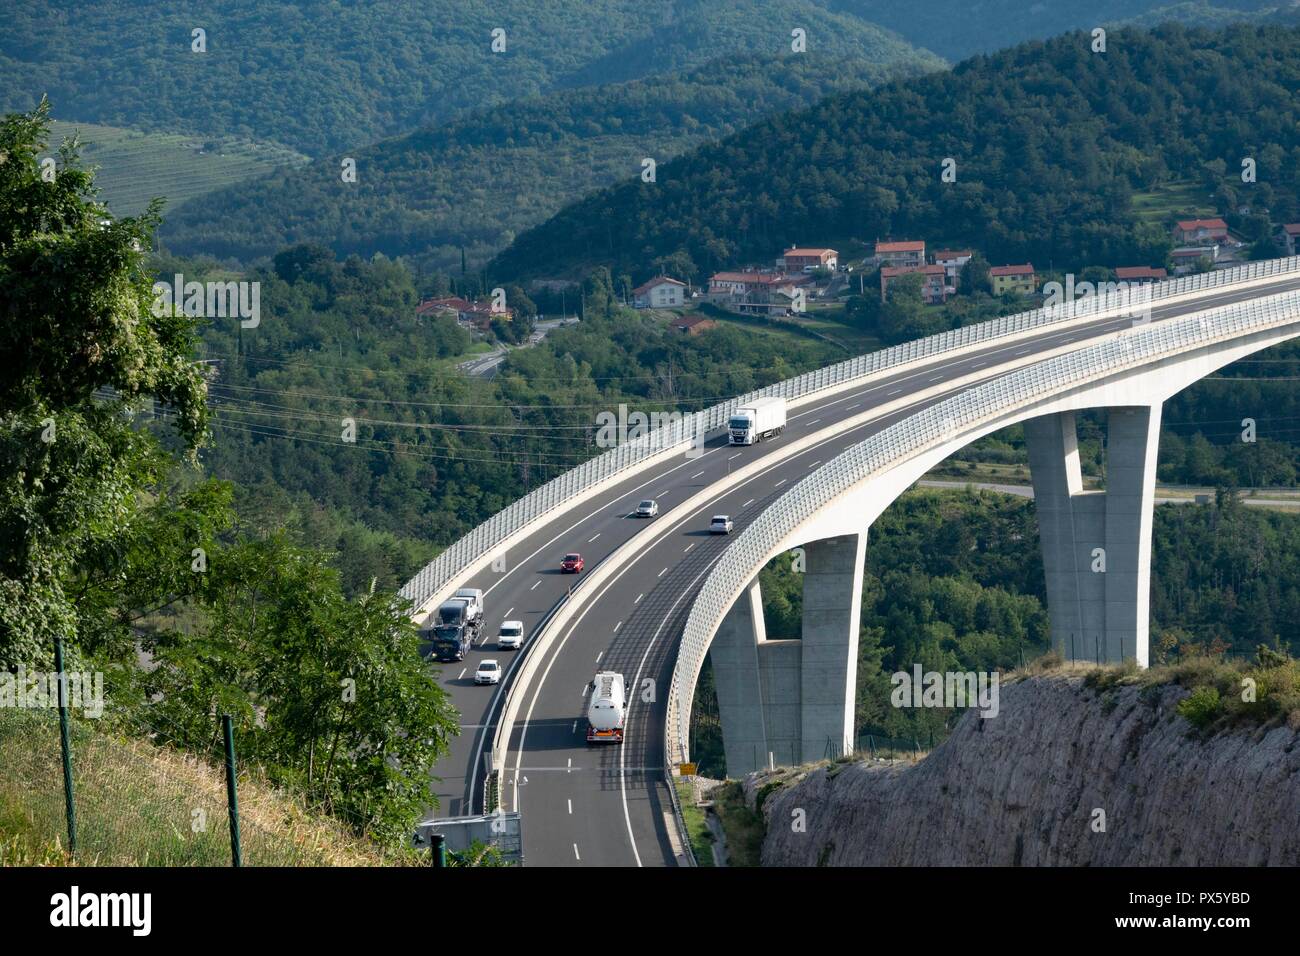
323	76
475	183
959	28
1051	143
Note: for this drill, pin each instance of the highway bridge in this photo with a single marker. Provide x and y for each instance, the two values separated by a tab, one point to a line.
659	593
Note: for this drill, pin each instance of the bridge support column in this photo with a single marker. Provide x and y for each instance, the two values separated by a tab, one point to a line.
832	605
734	656
1097	544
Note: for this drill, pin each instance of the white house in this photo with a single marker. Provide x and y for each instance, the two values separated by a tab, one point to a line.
661	292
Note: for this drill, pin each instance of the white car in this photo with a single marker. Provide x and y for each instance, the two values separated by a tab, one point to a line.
511	635
721	524
489	672
647	509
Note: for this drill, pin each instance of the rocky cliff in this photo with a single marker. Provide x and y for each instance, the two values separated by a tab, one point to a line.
1026	787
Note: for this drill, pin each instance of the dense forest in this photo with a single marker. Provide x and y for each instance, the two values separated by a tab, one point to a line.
954	580
957	29
1051	143
324	76
474	183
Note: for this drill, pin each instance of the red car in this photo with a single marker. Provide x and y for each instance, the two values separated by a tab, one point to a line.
572	564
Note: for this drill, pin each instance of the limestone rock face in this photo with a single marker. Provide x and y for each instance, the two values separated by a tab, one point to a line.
1023	788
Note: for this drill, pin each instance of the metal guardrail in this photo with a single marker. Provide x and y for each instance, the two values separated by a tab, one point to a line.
922	431
487	539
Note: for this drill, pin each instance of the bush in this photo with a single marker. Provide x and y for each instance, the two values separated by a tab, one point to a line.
1201	707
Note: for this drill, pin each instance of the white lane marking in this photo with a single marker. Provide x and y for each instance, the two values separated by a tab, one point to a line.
895	391
638	599
813	422
508	613
576	855
688	547
1023	352
585	688
979	364
599	656
663	572
568	767
617	626
782	482
627	718
696	475
570	802
666	490
816	463
574	728
851	407
593	537
745	505
534	587
461	674
937	378
734	457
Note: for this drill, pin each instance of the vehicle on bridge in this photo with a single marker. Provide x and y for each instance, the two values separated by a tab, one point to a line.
607	709
647	509
511	635
454	629
572	564
489	672
473	598
721	524
759	419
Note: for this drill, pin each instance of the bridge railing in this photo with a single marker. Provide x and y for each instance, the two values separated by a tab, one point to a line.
489	538
927	429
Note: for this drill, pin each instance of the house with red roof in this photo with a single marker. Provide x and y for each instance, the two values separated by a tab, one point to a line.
905	252
800	259
1139	274
1201	231
1014	278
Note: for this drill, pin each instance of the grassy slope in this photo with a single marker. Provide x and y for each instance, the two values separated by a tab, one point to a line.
134	167
141	805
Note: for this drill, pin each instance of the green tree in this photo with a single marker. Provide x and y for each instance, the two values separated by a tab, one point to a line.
83	350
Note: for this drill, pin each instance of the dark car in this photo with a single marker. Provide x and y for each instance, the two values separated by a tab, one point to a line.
572	564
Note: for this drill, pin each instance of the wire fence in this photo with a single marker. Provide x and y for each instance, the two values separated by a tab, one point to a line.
136	799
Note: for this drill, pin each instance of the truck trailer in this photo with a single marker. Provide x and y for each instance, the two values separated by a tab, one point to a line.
756	420
606	710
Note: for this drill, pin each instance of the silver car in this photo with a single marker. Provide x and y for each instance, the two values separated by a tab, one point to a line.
721	524
647	509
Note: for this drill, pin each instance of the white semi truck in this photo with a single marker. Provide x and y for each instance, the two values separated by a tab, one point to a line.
606	710
756	420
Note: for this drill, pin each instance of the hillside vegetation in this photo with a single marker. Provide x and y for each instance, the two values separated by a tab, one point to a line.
958	28
1051	142
476	182
323	76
